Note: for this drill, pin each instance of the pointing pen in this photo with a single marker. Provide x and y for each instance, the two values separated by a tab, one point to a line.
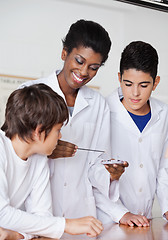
92	150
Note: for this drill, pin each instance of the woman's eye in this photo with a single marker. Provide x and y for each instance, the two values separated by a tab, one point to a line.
94	68
144	86
78	61
128	85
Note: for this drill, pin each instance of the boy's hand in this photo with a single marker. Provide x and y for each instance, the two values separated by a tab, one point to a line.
116	170
86	225
6	234
133	219
63	149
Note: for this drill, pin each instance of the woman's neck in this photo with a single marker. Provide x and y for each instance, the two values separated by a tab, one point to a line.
69	93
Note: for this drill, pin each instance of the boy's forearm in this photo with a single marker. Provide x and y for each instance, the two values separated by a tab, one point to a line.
16	236
6	234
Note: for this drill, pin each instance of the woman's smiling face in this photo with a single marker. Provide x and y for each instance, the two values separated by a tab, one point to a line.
80	66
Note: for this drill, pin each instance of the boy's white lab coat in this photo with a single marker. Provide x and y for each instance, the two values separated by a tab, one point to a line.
87	128
148	168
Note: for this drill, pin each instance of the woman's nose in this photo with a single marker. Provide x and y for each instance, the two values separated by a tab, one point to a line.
84	70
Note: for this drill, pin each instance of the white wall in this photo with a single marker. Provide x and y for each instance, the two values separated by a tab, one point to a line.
31	33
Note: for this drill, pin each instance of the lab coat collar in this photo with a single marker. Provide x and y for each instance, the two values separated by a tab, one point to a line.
156	109
120	112
81	102
124	118
58	89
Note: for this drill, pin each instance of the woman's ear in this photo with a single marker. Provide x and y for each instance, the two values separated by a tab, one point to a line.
157	80
64	54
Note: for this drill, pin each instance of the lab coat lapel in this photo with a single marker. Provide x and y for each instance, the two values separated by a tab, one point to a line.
81	100
56	86
155	111
122	115
125	119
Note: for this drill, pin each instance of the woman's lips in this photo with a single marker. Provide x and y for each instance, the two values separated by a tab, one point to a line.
76	78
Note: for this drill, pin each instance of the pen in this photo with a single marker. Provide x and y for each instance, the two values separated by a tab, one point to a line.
92	150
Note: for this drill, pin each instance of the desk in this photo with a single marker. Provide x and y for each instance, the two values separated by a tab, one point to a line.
158	230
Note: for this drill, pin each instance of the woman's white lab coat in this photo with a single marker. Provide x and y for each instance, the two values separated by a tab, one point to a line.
89	127
148	166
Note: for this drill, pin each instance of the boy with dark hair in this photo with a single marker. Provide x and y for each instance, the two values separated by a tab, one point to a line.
139	133
33	120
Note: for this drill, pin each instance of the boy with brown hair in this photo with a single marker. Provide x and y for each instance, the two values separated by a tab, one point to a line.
33	120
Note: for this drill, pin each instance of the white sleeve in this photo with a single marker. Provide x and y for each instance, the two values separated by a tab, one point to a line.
162	189
162	180
106	194
27	236
100	179
21	221
114	210
39	201
98	175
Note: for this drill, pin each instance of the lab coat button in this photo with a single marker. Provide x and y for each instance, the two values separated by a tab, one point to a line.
65	184
140	190
141	165
140	139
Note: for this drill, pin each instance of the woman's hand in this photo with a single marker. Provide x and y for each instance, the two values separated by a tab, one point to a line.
63	149
116	170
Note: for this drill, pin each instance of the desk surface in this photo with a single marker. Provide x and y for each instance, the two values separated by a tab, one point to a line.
158	230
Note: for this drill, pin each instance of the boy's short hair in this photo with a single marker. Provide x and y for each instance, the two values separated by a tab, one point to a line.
32	106
140	56
88	34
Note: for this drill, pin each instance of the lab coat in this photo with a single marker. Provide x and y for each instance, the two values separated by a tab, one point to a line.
147	173
72	179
